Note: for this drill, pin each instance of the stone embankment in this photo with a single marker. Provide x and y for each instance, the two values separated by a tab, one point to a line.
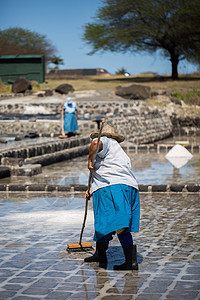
50	152
138	122
76	189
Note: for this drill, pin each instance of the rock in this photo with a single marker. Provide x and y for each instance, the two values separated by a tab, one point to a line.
48	93
175	101
40	95
18	138
32	120
21	85
32	135
64	88
12	161
133	91
28	92
3	141
158	93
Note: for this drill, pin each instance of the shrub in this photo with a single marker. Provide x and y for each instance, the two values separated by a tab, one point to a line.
4	89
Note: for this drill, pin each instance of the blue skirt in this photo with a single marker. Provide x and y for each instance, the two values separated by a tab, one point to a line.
70	122
115	207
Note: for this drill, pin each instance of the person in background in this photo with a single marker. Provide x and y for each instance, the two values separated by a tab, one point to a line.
115	194
70	117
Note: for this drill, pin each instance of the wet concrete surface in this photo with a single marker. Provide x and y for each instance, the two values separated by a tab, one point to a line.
34	263
24	142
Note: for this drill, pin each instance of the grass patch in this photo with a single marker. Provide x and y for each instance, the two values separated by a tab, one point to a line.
191	97
5	89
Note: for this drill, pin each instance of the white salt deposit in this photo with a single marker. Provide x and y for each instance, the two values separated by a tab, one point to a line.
178	156
62	217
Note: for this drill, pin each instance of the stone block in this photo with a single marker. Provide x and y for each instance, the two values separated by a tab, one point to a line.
63	188
37	187
26	170
51	188
153	148
4	172
16	188
3	187
163	148
176	188
193	188
143	188
196	148
159	188
142	148
80	188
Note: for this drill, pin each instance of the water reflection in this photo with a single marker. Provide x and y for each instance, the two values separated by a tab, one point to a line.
153	168
149	168
117	285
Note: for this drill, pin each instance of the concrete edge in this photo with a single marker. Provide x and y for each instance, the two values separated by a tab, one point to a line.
191	188
55	157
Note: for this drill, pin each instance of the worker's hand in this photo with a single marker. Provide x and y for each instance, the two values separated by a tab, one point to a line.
90	166
88	194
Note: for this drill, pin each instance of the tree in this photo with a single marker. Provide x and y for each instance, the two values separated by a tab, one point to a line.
57	61
171	27
21	41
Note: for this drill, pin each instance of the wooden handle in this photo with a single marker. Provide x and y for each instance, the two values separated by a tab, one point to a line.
96	151
89	180
62	116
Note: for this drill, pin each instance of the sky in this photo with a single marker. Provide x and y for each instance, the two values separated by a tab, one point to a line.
62	22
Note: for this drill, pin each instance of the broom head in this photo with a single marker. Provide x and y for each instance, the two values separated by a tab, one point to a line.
79	247
63	136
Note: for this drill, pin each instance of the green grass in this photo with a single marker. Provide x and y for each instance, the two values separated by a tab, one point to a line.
190	97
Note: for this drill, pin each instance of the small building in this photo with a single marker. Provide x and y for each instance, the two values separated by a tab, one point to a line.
31	67
79	72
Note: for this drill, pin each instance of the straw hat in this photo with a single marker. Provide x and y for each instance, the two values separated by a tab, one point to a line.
109	132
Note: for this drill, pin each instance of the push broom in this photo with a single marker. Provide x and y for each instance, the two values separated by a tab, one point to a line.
74	247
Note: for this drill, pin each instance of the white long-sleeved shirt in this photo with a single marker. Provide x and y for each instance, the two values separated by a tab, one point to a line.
112	166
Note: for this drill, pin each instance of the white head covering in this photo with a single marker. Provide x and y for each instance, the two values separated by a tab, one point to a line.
69	100
69	105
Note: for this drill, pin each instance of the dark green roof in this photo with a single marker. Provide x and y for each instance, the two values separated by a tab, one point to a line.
20	56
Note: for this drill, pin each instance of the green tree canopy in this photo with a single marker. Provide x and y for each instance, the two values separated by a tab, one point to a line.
21	41
169	26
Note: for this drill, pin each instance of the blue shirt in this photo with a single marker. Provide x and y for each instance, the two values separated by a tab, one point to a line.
112	166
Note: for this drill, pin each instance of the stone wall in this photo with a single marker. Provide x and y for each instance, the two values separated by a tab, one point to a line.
42	127
186	126
84	107
138	122
145	127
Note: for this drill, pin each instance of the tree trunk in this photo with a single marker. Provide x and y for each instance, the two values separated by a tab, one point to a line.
174	60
